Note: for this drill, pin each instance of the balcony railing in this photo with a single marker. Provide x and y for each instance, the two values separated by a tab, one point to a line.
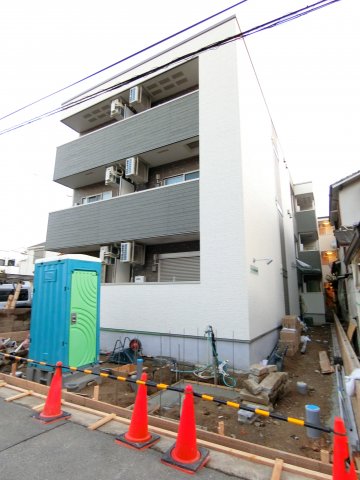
165	124
159	212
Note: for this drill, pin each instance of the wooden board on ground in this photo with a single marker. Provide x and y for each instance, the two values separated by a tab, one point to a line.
278	467
325	366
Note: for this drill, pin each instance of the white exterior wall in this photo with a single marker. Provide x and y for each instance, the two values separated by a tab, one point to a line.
239	220
262	217
349	201
220	299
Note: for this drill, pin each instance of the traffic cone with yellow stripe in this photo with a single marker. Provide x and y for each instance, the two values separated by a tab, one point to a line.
185	455
343	466
138	436
52	409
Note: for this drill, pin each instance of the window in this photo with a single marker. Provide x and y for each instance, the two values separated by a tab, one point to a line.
184	177
91	199
96	198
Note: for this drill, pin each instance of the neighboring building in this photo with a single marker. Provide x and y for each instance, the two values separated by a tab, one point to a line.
33	253
345	217
328	250
8	265
308	255
181	188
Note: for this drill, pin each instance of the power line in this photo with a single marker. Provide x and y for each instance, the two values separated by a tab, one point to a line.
122	60
265	26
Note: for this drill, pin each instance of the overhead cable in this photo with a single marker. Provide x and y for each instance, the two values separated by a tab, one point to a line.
265	26
121	61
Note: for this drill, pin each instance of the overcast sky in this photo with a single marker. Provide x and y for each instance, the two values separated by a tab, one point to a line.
309	70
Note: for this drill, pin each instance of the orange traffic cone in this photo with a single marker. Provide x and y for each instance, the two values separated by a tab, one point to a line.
343	467
52	410
138	435
185	455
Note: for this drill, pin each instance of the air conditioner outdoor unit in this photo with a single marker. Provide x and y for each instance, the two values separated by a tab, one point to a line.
139	99
131	252
112	176
117	109
136	170
108	254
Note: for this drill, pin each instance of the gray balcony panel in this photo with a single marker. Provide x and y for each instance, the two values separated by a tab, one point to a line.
312	258
306	222
153	213
163	125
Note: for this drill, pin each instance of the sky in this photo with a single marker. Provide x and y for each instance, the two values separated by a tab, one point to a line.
309	70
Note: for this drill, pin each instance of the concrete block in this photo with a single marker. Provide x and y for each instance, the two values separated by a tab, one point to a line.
244	416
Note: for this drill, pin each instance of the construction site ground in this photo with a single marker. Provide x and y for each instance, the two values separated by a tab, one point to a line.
321	391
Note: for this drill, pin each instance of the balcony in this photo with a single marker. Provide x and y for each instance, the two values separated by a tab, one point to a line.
306	222
169	213
166	124
312	258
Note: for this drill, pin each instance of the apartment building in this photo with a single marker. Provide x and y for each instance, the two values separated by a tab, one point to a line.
308	254
181	188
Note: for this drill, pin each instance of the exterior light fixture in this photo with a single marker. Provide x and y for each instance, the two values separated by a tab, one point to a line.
267	260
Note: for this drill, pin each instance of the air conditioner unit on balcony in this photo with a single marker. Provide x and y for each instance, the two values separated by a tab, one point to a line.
117	109
108	254
131	252
136	170
112	176
139	99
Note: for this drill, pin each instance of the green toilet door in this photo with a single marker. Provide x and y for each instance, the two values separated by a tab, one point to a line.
83	318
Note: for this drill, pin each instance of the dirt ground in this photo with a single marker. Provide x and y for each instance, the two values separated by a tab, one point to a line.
265	431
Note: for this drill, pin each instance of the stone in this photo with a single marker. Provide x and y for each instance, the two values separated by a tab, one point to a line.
262	398
258	369
273	381
253	387
257	378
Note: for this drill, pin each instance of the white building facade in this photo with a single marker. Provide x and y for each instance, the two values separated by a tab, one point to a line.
207	210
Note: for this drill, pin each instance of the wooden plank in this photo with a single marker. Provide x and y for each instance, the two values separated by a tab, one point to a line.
96	392
39	408
16	295
351	329
221	428
18	396
14	366
102	421
325	366
278	468
325	456
237	445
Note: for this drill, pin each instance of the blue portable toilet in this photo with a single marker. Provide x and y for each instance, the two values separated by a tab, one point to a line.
65	316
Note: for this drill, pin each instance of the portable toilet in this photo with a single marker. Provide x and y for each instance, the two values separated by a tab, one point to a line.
65	316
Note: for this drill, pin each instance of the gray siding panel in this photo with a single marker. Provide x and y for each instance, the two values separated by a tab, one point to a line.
311	258
152	213
306	221
163	125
